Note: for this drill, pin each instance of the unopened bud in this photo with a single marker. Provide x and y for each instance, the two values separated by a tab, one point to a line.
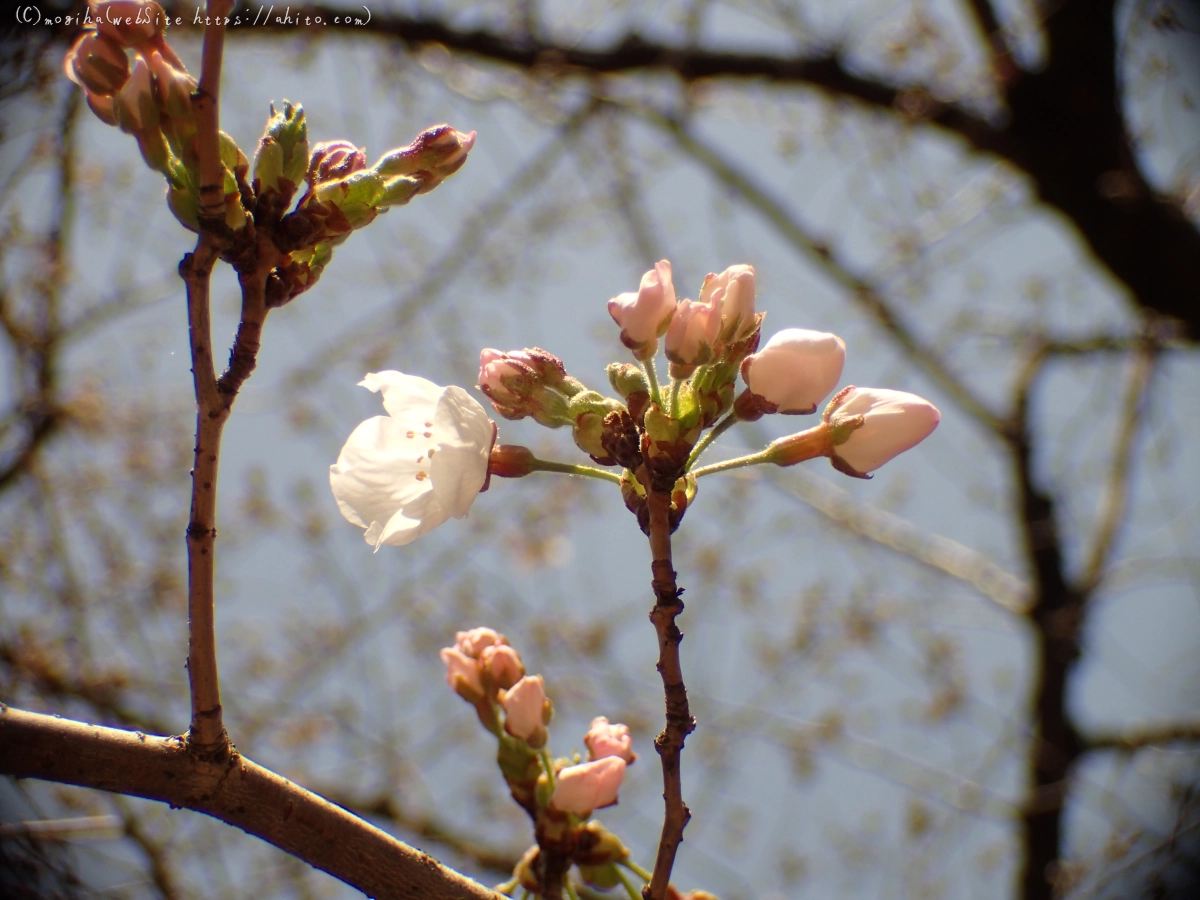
134	105
589	437
796	370
102	106
130	22
463	674
527	711
173	87
510	461
440	151
645	315
870	426
626	379
98	63
334	159
289	129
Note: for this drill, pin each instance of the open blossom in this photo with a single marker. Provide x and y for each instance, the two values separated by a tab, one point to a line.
643	316
893	422
604	740
796	370
526	710
733	293
403	474
588	786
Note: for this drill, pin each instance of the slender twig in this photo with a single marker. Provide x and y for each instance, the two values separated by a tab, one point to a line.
206	107
207	732
680	723
1132	739
1116	495
236	791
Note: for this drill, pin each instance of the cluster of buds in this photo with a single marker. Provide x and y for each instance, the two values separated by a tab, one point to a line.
656	435
150	98
133	80
558	794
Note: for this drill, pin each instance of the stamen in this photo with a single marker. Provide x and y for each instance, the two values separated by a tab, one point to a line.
422	475
410	434
429	434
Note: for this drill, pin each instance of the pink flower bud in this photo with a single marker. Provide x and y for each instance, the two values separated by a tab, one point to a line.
463	674
334	159
173	87
693	333
733	293
439	151
604	740
472	643
643	316
892	422
97	63
130	22
796	370
134	104
588	786
502	664
528	382
526	710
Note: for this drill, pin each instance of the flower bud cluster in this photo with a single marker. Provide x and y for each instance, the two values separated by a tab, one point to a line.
133	80
150	98
558	794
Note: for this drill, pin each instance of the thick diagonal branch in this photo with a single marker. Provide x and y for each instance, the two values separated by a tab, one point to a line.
236	791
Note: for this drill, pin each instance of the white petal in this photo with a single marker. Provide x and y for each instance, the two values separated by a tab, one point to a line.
377	472
464	441
415	519
407	398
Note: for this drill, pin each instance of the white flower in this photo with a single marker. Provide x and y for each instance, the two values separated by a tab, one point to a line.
406	473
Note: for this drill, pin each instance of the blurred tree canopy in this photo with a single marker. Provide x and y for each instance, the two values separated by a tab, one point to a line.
974	676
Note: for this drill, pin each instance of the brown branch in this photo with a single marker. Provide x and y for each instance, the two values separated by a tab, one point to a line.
1116	493
207	733
1133	739
680	723
206	106
427	828
235	791
1056	616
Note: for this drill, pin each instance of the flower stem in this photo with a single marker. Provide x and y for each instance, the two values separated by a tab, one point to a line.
636	869
676	384
754	459
630	887
701	445
547	765
570	889
652	380
546	465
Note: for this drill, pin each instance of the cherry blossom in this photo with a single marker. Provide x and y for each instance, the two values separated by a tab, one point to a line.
403	474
